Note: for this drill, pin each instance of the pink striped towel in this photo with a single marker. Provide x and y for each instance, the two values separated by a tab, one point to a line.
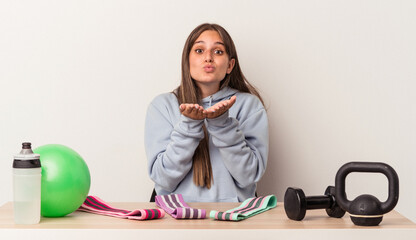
175	206
95	205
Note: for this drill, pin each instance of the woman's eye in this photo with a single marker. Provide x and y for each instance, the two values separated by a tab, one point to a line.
198	50
219	52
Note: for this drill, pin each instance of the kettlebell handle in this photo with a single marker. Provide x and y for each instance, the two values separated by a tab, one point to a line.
370	167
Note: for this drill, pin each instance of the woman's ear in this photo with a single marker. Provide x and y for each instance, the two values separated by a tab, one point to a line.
231	64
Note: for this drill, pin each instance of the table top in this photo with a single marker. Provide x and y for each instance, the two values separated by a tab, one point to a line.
272	219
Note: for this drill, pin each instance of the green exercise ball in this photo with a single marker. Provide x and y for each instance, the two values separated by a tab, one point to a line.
65	180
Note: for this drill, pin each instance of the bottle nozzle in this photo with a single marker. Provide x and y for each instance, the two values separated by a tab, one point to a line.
26	148
26	145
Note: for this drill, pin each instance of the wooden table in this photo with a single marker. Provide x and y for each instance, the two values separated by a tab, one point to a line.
272	224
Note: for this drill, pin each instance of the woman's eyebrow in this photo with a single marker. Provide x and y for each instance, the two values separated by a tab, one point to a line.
220	43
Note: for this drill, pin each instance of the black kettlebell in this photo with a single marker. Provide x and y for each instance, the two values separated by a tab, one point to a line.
367	210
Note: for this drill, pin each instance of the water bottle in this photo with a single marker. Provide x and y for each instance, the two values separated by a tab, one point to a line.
26	186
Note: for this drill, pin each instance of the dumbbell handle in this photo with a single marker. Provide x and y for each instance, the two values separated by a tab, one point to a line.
319	202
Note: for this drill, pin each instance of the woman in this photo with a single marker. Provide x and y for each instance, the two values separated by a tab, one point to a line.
208	139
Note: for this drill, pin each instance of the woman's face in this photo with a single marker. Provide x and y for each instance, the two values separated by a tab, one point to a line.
208	60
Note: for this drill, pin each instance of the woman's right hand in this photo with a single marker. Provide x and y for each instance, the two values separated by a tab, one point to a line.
193	111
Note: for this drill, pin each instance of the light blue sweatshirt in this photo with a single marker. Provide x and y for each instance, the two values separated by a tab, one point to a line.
238	147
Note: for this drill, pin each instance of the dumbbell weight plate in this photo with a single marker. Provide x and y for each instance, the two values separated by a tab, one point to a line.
295	203
335	210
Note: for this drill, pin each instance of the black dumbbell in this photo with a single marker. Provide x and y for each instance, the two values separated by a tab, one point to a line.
296	203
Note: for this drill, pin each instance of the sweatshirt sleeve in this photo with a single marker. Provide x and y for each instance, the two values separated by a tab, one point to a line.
243	145
170	146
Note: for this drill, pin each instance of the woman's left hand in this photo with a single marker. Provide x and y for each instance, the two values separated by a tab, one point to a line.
219	108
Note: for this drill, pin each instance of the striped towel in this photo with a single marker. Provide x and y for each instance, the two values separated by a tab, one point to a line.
175	206
248	208
95	205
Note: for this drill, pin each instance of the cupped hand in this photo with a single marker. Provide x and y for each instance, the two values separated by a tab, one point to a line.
193	111
219	108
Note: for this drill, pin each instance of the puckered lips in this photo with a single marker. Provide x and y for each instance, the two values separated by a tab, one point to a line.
209	68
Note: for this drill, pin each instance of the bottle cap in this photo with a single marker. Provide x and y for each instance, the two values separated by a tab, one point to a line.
26	158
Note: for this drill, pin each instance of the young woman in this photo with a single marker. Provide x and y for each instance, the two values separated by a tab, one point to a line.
208	139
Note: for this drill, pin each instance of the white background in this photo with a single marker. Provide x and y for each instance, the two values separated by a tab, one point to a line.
338	79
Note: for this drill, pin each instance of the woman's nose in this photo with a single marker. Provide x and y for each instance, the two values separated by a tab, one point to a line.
208	57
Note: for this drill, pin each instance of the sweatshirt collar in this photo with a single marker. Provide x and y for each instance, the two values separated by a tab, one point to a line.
224	93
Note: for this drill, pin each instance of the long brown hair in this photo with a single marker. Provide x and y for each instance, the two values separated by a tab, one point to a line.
188	92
